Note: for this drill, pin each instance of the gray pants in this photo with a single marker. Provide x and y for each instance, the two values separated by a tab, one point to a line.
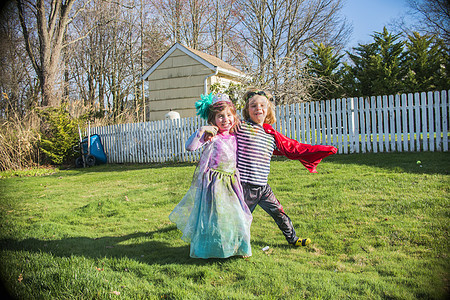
264	197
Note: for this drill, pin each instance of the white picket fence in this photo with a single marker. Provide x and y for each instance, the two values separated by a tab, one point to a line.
407	122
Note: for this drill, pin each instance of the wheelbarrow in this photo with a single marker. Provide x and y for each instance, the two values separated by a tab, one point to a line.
91	150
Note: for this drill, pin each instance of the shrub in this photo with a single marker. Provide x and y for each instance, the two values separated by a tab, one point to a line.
59	134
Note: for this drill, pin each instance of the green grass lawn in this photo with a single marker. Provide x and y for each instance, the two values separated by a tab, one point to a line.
379	225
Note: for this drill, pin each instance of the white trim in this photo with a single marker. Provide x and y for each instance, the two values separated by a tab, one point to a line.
185	51
158	63
196	57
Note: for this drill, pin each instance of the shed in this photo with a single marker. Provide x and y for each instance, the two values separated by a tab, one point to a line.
180	76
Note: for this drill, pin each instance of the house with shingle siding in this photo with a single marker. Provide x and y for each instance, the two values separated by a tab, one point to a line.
180	76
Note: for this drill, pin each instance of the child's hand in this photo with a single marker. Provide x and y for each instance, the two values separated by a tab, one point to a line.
209	132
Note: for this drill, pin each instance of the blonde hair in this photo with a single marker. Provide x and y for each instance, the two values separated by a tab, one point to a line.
270	117
217	108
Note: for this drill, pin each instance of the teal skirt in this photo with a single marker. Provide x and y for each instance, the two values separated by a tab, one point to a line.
213	216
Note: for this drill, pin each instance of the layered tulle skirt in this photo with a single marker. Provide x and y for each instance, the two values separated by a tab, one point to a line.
213	216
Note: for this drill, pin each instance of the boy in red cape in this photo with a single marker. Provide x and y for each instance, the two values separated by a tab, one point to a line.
256	142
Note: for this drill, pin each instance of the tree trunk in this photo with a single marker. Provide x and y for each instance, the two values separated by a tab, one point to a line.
51	33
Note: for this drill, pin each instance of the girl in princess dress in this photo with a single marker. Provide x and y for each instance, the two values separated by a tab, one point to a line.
213	216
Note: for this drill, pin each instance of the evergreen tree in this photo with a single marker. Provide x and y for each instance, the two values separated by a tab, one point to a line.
378	68
323	64
443	78
58	135
358	78
424	59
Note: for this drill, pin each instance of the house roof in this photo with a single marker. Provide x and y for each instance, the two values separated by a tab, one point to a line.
210	61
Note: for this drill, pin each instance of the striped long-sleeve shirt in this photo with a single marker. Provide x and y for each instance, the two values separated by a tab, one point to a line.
254	152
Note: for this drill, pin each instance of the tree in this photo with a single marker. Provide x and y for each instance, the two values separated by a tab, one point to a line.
433	18
378	68
324	64
359	76
423	55
17	83
51	21
187	20
279	34
222	30
106	66
443	81
171	14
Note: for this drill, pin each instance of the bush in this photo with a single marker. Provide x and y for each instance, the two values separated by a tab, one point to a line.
59	134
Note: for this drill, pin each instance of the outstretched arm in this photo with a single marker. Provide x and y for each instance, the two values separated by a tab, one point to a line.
200	137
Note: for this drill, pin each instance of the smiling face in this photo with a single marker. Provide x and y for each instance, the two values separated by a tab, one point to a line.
225	120
257	109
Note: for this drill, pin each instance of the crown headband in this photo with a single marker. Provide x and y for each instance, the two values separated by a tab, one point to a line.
221	97
202	106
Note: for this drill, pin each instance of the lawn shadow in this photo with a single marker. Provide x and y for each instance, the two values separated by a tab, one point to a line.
130	167
144	249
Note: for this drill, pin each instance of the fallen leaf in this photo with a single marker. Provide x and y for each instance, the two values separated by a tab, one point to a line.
20	278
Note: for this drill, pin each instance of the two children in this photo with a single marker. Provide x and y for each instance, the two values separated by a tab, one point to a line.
215	214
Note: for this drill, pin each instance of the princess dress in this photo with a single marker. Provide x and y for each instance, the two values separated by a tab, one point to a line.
212	215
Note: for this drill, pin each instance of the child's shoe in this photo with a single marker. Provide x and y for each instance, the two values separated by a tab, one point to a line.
302	242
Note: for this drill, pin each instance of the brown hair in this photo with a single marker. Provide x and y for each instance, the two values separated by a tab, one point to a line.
217	108
270	118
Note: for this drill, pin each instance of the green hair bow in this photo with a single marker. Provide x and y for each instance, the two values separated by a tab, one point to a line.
202	106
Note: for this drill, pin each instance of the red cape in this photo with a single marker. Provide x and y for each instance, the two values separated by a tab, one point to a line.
309	155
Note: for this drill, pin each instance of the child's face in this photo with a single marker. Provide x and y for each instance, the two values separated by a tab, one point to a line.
225	120
257	109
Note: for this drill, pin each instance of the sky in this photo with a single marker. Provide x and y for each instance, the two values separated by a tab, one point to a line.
368	16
